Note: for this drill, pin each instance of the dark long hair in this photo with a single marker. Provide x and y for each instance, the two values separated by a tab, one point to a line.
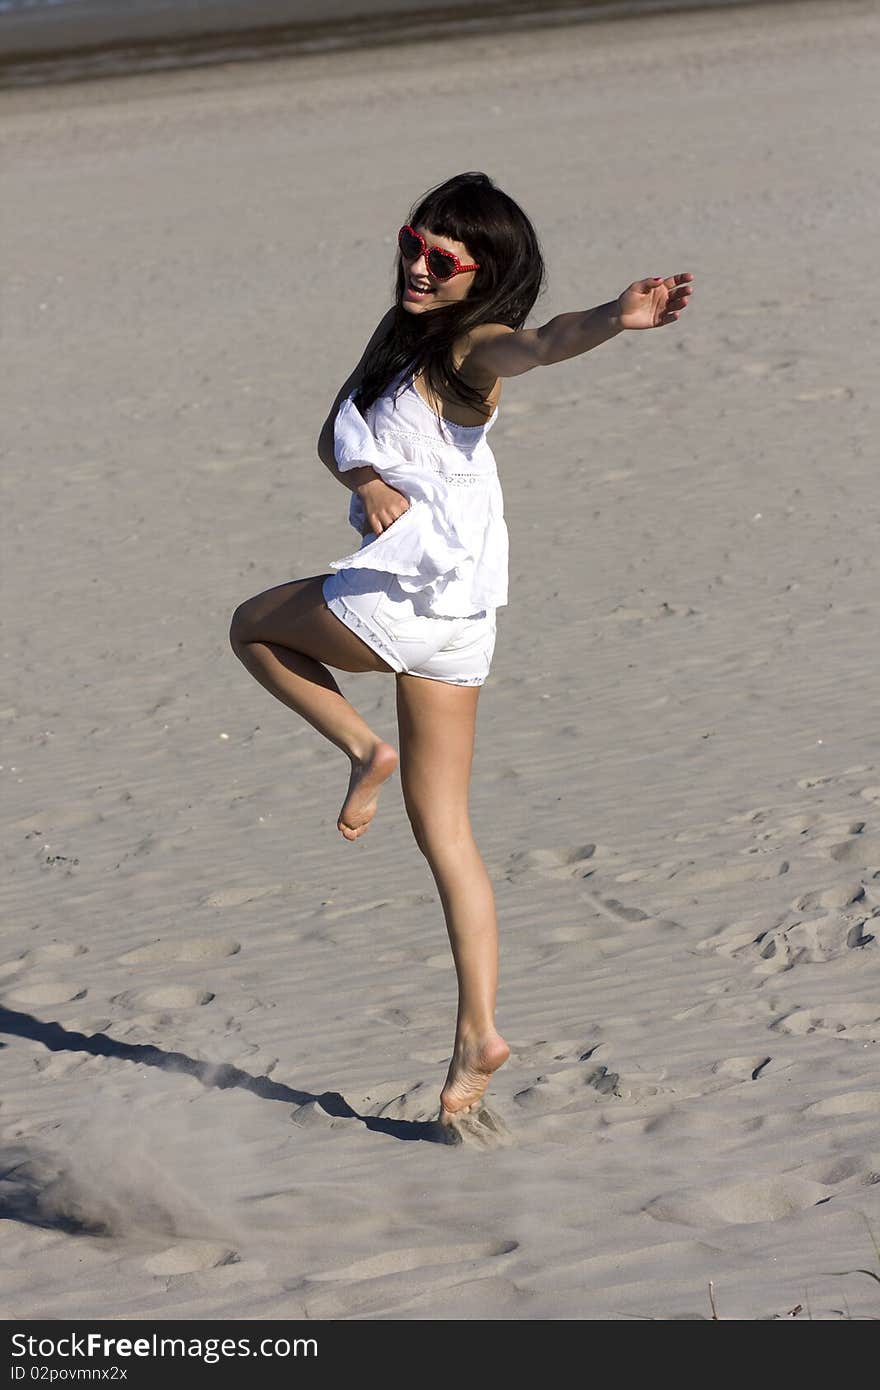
468	208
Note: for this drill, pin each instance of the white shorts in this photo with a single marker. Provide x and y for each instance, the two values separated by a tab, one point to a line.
373	605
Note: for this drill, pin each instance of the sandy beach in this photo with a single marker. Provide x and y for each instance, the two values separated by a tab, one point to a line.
225	1028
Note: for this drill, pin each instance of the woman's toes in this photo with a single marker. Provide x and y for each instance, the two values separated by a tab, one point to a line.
366	780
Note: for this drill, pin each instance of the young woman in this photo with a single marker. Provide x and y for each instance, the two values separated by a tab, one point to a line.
407	436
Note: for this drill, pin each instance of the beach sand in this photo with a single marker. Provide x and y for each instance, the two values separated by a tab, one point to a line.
225	1028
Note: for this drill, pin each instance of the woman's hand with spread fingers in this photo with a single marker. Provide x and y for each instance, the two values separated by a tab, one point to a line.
382	504
654	302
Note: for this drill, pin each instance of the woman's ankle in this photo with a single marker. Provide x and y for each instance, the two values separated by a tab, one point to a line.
473	1033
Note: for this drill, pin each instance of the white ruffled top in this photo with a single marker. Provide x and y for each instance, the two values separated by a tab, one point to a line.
450	547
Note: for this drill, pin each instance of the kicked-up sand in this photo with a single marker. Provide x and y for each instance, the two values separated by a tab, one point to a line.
225	1026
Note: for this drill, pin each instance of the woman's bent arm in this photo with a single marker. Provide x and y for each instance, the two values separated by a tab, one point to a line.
355	477
382	504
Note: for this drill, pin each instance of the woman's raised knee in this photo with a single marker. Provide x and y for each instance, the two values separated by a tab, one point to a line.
240	628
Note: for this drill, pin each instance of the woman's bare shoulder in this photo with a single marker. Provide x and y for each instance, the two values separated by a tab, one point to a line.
466	360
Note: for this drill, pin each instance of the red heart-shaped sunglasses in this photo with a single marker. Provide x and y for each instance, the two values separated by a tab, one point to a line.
441	264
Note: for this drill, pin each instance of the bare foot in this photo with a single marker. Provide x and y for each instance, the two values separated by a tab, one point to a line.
473	1062
367	777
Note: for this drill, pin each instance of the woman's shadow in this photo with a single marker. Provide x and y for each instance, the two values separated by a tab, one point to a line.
220	1076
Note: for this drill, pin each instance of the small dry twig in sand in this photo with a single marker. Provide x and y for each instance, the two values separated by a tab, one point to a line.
843	1273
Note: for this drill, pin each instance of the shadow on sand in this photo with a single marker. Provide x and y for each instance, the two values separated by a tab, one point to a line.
220	1076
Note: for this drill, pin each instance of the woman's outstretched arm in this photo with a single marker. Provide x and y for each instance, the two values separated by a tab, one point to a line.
496	350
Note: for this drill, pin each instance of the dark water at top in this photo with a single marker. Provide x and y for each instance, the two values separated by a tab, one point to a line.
62	40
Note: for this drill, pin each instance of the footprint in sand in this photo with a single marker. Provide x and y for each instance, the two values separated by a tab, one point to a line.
839	918
622	614
861	849
568	861
568	1087
60	1064
790	828
443	961
612	907
196	949
52	951
190	1258
727	1010
367	1287
49	992
843	1172
312	1115
409	1260
728	875
813	834
857	1022
395	1018
840	838
238	896
89	1024
543	1052
15	967
564	936
824	780
482	1128
619	912
168	997
58	950
743	1203
361	909
251	1058
415	1102
861	897
851	1103
694	837
789	943
734	1069
581	861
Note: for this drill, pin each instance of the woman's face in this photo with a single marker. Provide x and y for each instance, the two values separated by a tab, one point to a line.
436	292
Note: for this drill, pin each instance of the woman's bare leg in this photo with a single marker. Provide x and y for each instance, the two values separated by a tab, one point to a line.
282	636
436	721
